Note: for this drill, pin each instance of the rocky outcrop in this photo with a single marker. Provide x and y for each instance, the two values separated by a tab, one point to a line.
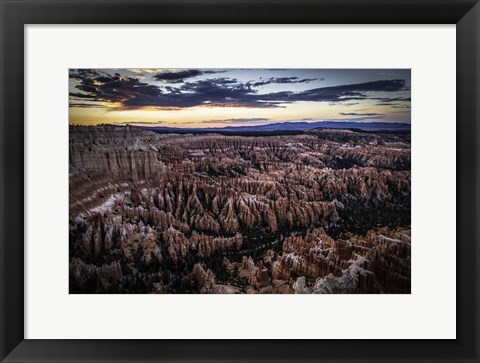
313	255
381	264
207	284
105	273
179	245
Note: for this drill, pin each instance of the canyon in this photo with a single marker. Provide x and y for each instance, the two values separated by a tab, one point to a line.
319	212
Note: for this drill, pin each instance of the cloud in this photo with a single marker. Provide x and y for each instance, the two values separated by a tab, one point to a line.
125	92
388	74
401	106
283	80
393	85
83	73
356	119
144	70
139	122
100	87
386	101
237	120
360	114
180	76
394	105
85	105
350	104
218	92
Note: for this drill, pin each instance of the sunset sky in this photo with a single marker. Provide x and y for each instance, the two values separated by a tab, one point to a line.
236	97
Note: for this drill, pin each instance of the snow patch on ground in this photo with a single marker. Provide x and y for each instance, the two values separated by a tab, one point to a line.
106	206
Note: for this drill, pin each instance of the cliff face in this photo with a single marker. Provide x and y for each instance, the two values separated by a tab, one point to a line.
215	214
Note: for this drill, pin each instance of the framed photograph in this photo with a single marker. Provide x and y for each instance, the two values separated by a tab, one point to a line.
239	181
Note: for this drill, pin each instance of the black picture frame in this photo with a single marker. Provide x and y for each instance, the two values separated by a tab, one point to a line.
15	14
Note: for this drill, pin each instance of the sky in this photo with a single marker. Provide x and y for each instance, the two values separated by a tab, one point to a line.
237	97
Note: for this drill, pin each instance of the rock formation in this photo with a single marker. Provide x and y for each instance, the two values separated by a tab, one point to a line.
327	211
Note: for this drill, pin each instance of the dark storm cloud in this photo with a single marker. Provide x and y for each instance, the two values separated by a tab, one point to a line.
405	103
85	105
360	114
393	85
210	92
129	92
107	88
180	76
82	95
283	80
81	74
340	93
395	99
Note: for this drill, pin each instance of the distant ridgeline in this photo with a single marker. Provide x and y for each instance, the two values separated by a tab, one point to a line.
293	127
